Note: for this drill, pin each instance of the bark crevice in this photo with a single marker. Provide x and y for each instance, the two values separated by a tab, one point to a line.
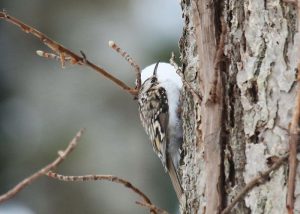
236	135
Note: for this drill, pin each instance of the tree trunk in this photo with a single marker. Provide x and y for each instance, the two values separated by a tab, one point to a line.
237	108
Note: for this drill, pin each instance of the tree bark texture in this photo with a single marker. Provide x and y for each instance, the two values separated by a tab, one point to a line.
238	113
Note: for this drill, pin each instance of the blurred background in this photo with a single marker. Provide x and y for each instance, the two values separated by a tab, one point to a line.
42	106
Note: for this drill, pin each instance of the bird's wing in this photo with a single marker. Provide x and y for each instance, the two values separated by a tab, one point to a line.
164	156
160	127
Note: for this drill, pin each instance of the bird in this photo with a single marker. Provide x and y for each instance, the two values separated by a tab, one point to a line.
160	114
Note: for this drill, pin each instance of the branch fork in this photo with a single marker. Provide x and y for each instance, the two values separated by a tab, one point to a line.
66	55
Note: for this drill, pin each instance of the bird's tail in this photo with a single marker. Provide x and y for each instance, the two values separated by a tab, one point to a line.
174	178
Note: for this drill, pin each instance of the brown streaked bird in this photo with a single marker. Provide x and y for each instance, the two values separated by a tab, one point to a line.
159	101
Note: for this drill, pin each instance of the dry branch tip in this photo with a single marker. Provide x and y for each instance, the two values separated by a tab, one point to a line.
111	43
64	53
130	60
111	178
24	183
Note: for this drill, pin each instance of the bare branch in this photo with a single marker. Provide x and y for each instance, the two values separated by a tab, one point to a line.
62	155
51	56
110	178
258	180
151	206
294	138
129	59
185	83
64	52
174	64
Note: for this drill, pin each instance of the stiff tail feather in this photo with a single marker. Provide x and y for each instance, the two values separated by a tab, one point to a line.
174	178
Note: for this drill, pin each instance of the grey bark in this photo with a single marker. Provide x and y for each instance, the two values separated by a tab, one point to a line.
230	134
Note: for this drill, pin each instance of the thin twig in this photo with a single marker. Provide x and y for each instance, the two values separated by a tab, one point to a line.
110	178
185	83
129	59
258	180
64	52
294	138
62	155
174	64
151	206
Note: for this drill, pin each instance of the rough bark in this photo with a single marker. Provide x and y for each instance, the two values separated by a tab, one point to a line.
230	134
